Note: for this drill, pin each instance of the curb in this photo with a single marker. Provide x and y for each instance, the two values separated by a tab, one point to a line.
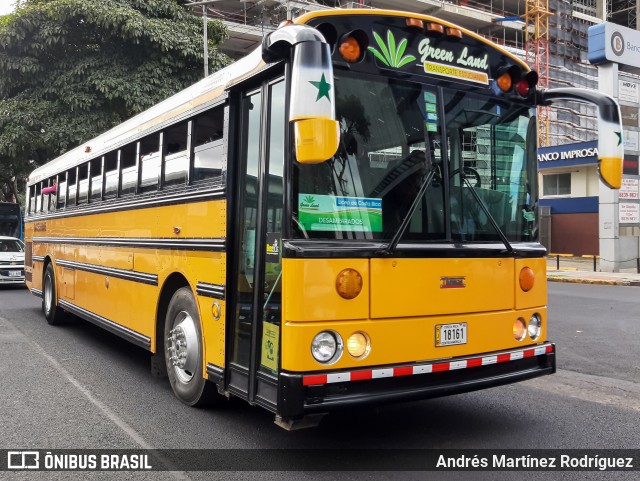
602	282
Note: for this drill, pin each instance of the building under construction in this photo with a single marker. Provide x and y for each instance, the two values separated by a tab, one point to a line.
550	35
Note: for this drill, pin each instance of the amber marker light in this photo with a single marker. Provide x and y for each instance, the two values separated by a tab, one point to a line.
435	28
350	49
454	32
358	345
519	329
349	283
415	22
527	279
504	82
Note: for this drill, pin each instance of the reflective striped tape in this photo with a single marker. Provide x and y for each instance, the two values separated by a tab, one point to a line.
398	371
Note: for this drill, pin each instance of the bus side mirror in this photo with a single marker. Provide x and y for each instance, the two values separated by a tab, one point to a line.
610	146
316	139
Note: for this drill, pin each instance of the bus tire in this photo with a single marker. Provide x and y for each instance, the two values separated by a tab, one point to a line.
52	312
183	351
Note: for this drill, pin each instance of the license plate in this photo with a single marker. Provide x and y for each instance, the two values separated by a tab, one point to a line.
451	334
15	273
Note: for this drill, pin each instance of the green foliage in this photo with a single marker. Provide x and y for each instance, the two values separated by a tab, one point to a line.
71	69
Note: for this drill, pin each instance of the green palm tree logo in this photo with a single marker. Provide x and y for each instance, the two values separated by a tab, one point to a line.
389	54
309	199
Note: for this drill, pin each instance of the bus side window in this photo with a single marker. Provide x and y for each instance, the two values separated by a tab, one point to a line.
73	187
176	160
83	184
45	196
208	144
32	199
53	196
96	179
149	162
111	174
128	168
62	190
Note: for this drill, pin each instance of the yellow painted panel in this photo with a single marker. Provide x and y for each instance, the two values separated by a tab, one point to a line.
132	304
67	288
406	340
538	295
213	330
415	287
309	287
199	219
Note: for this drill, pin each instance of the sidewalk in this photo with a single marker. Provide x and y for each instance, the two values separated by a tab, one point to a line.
580	270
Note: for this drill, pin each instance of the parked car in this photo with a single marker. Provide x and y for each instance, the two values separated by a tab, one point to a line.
11	261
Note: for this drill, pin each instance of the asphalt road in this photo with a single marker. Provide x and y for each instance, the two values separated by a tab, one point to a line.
77	386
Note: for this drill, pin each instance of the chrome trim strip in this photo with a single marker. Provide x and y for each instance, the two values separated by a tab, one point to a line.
194	244
114	328
37	258
129	275
210	290
36	292
115	204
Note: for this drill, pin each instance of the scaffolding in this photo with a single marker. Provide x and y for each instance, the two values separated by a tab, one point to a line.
623	12
550	35
536	19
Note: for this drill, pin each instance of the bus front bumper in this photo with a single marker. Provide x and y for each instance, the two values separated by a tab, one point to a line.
321	392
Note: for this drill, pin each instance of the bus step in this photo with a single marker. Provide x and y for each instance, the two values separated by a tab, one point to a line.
308	421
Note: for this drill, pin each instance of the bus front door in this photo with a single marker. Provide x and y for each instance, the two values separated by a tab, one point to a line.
254	338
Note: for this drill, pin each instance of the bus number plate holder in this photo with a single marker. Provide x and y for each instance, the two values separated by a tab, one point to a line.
451	334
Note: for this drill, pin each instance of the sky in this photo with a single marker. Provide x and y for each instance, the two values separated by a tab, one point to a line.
6	6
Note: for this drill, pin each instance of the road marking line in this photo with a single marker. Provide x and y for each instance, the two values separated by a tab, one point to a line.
113	417
587	387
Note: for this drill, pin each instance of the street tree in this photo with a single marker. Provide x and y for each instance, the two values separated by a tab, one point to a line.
71	69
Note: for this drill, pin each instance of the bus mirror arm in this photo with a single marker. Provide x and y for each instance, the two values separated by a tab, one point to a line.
278	44
610	146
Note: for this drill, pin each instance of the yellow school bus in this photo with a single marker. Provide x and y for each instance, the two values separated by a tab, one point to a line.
346	216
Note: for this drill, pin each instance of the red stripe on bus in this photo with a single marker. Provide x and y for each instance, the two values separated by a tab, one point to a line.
474	362
529	353
311	380
361	375
549	348
403	371
443	366
504	357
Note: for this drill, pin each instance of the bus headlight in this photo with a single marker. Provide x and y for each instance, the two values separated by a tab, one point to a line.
358	345
535	327
327	347
519	329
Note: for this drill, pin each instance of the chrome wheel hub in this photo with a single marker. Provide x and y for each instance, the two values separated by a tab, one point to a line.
48	294
182	347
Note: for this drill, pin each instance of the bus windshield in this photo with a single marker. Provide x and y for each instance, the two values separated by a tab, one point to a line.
391	139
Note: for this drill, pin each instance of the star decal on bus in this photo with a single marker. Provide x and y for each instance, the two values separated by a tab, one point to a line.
323	88
619	134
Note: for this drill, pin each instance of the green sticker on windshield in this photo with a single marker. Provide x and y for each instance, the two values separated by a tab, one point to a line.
332	213
430	97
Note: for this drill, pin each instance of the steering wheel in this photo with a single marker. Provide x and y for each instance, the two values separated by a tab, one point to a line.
470	174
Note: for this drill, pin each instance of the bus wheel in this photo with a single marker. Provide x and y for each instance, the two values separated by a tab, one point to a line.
183	350
52	312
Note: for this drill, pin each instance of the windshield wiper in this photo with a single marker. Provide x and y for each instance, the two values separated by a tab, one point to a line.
484	208
407	218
